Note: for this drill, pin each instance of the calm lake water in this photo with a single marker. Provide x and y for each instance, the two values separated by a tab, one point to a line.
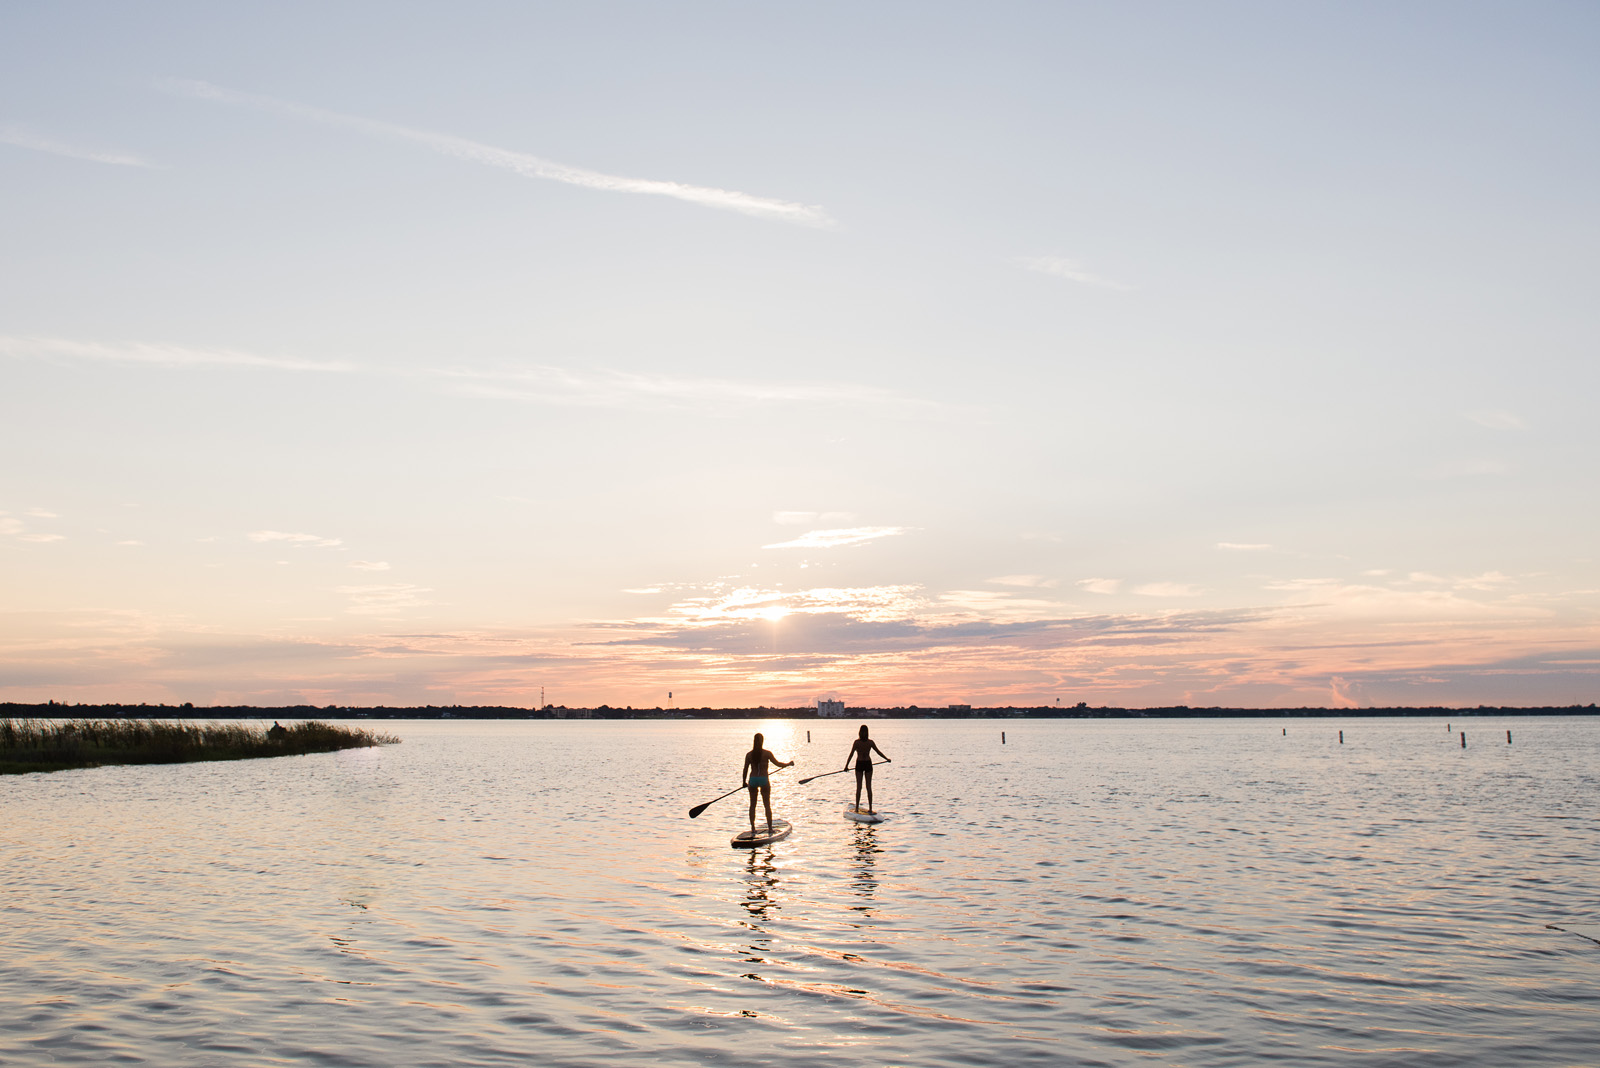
1098	893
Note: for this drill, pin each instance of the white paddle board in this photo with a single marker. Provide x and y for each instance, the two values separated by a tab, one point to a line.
861	815
760	836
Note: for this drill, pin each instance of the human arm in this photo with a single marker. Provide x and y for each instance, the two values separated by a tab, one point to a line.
881	753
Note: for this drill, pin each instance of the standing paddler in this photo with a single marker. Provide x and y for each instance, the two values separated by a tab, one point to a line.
757	777
861	752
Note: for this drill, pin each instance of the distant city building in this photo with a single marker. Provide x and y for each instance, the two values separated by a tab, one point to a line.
960	710
830	708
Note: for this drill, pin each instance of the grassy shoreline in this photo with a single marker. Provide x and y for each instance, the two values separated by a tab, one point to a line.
28	745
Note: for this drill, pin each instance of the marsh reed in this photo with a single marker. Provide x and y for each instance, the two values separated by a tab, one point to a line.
55	745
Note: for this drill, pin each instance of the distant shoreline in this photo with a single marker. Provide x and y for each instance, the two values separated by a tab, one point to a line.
57	710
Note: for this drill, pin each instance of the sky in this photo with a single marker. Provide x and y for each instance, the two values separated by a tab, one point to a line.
1225	354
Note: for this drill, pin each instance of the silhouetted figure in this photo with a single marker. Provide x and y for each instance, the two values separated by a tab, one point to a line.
277	732
861	752
755	776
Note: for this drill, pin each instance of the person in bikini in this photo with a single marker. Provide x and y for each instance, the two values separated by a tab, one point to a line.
861	752
756	776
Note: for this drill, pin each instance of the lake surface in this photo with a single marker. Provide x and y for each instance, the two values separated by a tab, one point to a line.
1197	893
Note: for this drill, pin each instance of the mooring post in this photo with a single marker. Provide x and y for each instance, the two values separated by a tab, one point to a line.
1341	737
808	737
1508	737
1002	737
1463	739
1286	732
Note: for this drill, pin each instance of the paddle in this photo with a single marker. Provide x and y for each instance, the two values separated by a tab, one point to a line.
825	774
693	812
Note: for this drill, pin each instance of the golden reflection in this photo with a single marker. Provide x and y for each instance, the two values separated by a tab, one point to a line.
761	883
864	878
760	905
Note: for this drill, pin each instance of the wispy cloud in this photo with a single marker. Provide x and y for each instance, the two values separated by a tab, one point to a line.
1344	693
12	134
1236	546
1168	589
1101	585
1071	270
1418	595
519	162
16	528
1489	580
833	539
1495	420
1025	581
159	355
369	565
626	389
299	541
383	600
724	604
802	518
539	384
998	606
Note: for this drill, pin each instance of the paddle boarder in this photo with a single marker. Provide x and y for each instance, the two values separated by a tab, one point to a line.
861	752
756	777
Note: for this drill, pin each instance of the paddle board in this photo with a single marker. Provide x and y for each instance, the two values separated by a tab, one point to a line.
861	815
760	837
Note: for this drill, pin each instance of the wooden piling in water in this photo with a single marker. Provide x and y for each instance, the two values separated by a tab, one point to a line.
1508	737
1341	737
1463	739
1002	737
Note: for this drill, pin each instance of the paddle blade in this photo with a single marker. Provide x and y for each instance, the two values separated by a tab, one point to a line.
804	781
693	812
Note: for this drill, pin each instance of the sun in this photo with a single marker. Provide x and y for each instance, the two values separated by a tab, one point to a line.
774	613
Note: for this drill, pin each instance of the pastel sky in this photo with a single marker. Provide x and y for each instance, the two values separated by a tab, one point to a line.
908	353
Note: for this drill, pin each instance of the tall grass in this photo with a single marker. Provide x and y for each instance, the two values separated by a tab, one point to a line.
53	745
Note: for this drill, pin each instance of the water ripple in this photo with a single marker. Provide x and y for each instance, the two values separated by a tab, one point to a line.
1094	893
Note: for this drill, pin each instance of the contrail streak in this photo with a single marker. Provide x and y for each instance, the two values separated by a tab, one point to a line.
16	135
521	162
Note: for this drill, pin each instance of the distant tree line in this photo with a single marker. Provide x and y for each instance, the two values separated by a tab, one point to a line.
59	710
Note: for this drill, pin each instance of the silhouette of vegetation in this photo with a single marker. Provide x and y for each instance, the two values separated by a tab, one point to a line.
56	745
